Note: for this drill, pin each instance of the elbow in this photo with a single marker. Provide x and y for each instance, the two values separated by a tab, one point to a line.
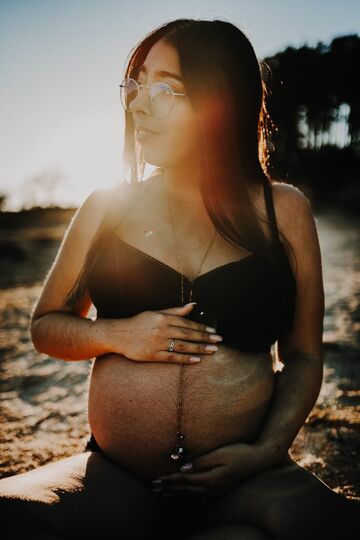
312	361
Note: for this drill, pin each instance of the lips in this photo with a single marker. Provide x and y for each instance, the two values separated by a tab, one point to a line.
144	136
141	129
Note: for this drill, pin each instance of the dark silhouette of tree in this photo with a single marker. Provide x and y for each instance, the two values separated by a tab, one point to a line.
314	102
315	83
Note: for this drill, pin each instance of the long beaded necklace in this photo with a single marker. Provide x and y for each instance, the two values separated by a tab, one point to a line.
179	451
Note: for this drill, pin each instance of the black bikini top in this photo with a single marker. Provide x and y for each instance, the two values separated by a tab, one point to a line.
241	299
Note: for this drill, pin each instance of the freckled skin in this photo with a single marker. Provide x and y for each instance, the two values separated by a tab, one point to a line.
132	406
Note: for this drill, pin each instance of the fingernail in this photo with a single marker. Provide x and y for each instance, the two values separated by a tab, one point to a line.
210	329
190	304
211	348
156	481
215	337
186	467
194	359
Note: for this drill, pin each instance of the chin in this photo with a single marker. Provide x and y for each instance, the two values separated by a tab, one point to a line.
157	161
162	162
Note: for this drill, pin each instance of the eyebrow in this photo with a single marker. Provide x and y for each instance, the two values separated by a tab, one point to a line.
163	73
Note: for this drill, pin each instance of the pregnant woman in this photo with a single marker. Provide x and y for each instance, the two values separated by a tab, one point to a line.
196	272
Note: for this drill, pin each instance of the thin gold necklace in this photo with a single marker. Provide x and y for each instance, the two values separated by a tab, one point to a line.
179	450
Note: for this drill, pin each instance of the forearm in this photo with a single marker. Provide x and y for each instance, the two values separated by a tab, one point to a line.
296	391
67	336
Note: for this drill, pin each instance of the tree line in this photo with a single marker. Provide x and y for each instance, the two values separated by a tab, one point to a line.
313	101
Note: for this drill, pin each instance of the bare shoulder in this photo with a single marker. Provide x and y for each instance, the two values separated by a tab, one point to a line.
90	214
118	196
127	197
291	205
297	223
293	212
88	217
72	253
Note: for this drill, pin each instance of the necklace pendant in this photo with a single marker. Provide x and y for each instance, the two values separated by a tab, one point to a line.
174	456
178	453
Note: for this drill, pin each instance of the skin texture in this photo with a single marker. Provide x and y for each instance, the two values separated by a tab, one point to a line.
174	147
95	494
133	404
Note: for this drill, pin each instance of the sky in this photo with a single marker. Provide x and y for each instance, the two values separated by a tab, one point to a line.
61	62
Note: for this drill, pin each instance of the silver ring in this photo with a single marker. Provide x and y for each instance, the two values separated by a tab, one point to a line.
171	347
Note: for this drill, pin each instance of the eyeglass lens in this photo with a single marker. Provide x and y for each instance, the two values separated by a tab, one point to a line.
161	96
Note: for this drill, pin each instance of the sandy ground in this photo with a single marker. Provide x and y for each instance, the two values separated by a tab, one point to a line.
43	410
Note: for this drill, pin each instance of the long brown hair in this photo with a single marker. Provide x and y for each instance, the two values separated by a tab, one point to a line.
226	90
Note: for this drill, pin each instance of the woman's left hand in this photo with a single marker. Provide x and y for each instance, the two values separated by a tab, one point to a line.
217	471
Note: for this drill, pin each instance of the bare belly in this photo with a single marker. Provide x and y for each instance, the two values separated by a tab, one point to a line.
132	406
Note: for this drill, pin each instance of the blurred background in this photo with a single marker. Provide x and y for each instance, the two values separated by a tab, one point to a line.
62	137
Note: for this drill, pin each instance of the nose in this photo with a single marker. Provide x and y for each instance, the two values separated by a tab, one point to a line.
141	102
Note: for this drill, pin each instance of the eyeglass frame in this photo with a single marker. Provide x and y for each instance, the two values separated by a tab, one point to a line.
139	85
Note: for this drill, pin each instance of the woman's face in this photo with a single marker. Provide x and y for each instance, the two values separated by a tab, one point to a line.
175	142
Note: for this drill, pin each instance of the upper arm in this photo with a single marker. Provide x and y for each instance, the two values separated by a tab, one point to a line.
70	258
299	226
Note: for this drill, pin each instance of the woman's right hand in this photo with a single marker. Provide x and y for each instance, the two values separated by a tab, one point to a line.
149	334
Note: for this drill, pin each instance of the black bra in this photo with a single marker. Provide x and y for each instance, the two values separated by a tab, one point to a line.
240	298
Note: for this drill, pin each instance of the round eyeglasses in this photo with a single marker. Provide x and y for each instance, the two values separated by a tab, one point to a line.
161	96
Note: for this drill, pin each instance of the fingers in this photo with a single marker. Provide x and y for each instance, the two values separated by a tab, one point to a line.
192	348
176	358
184	351
179	310
193	334
175	317
186	329
191	338
181	322
189	355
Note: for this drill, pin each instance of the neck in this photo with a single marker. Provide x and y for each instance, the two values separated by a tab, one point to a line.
183	185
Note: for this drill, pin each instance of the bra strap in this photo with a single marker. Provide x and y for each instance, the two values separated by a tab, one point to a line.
270	211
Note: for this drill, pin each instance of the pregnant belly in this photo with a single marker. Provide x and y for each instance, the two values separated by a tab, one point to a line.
133	406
